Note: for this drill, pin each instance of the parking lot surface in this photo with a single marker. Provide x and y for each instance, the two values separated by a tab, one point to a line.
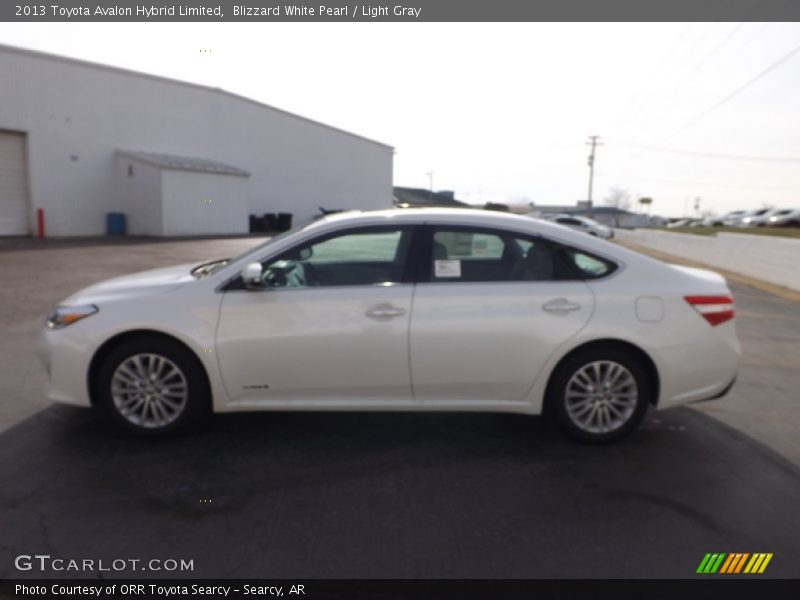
391	495
319	495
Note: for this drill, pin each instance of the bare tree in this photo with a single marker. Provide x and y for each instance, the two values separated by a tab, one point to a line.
618	198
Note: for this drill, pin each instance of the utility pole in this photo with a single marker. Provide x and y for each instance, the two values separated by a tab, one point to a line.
593	142
430	181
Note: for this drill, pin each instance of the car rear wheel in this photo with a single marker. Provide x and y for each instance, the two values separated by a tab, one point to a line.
153	386
600	395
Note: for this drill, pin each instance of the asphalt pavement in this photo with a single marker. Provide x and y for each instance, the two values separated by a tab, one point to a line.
331	495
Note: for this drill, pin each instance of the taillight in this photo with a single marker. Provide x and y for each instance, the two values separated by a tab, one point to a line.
714	309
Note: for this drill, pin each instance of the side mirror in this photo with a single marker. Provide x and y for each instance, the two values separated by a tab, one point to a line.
251	275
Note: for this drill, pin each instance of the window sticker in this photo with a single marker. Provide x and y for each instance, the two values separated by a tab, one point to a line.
447	268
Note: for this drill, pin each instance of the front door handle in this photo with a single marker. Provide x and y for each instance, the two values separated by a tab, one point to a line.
561	305
385	310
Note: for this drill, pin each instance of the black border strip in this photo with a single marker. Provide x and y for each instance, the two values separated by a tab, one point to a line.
390	589
398	11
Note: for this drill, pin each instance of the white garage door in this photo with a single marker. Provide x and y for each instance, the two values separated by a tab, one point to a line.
13	184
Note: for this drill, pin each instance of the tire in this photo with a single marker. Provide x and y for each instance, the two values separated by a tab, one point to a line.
137	403
571	401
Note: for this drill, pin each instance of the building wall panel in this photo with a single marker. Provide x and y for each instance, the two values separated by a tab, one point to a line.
204	203
14	210
78	114
137	193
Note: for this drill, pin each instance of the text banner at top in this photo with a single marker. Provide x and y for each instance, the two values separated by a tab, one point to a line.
399	11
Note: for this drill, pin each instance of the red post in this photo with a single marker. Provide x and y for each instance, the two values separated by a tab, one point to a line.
40	223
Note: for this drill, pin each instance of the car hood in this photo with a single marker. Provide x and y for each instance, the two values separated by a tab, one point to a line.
144	283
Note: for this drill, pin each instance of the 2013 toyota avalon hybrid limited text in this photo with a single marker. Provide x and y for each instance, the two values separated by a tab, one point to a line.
415	309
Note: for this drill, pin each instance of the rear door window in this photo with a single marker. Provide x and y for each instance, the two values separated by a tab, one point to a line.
472	255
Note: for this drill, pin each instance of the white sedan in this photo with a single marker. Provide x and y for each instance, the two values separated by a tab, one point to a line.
584	224
416	309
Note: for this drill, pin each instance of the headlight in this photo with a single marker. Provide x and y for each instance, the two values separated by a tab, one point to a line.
67	315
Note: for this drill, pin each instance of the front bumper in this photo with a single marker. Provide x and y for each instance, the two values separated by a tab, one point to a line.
65	357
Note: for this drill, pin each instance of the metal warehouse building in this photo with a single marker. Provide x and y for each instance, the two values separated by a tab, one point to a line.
79	140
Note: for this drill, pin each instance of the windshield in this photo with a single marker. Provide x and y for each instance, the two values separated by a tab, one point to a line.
257	249
211	267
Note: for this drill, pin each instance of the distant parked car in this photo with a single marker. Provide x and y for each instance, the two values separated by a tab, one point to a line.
681	223
584	224
755	218
656	221
713	221
732	218
784	217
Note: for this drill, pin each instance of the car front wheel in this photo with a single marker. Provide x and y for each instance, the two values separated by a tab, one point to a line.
153	386
600	395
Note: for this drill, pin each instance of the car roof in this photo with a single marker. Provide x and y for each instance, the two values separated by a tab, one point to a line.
431	214
437	215
450	216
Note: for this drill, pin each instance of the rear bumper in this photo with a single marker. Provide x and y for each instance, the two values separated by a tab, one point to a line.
703	370
719	394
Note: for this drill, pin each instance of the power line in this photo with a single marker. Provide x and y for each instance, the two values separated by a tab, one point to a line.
636	110
729	97
771	159
668	65
714	184
675	90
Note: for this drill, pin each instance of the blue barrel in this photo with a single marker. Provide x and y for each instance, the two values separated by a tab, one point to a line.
115	223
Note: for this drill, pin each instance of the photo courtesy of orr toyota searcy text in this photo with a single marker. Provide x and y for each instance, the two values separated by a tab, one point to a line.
161	591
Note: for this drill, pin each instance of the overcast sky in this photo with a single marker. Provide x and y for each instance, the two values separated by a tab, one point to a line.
501	112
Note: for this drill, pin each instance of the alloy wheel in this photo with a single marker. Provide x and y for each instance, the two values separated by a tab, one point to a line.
601	396
149	390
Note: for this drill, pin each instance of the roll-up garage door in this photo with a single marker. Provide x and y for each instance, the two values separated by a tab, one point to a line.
13	184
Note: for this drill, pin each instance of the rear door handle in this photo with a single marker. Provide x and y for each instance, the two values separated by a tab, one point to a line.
560	305
385	310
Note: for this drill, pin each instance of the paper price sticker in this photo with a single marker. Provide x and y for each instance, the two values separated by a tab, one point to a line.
447	268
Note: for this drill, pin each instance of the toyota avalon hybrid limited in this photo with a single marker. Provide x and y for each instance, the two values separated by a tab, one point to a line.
415	309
